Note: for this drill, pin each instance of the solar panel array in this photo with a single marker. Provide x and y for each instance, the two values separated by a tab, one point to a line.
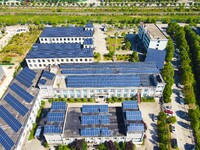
95	109
10	119
136	127
156	55
133	115
21	92
55	116
42	81
104	81
52	129
66	32
5	140
16	104
26	77
69	50
95	132
95	119
48	75
117	65
130	105
59	106
88	41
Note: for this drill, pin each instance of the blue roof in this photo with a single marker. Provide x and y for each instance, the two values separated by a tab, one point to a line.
88	42
136	127
156	55
133	115
130	105
68	50
66	32
104	81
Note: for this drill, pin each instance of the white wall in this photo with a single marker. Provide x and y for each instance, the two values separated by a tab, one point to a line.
154	44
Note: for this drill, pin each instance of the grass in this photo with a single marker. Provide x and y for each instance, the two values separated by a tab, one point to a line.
114	43
72	100
123	57
19	45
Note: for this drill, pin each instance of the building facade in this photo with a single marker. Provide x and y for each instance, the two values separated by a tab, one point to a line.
152	37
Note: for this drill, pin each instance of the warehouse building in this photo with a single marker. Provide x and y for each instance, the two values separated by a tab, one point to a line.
104	80
66	34
43	55
96	124
152	37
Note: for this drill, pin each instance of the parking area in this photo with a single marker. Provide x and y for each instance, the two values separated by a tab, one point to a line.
34	144
148	110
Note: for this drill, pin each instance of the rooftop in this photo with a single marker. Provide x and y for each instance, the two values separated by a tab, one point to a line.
68	50
154	31
47	78
66	32
16	106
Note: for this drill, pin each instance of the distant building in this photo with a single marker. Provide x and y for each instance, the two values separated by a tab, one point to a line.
104	80
152	37
2	75
94	123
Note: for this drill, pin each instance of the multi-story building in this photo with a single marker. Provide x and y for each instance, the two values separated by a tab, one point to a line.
43	55
66	34
2	75
94	123
152	37
104	80
18	110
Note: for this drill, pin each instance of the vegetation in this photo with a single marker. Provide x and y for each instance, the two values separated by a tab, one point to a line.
170	50
110	145
97	56
78	145
71	100
124	57
63	147
134	57
18	46
46	145
119	99
35	125
187	77
148	99
168	76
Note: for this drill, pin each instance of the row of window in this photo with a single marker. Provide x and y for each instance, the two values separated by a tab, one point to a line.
61	39
59	60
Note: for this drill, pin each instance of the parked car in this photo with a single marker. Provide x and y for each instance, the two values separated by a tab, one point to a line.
180	86
174	143
181	101
167	107
168	112
180	94
172	128
154	117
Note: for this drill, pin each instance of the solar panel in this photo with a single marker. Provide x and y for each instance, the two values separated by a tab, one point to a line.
55	116
90	132
94	108
105	132
42	81
135	127
133	115
21	92
52	129
10	119
59	106
23	81
5	140
16	104
48	75
130	105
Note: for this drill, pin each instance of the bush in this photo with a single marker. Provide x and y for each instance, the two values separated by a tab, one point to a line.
148	99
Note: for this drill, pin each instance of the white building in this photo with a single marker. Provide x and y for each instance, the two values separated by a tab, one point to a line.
43	55
152	37
2	74
18	110
66	34
93	123
104	80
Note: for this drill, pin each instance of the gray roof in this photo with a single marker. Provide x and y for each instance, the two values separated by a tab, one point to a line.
69	50
66	32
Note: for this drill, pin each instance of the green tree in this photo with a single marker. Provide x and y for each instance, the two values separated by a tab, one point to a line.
162	116
134	57
171	119
169	50
128	45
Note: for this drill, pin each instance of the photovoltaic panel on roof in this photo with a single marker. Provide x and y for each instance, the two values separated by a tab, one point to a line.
156	55
5	140
59	106
104	81
130	105
10	119
48	75
105	132
19	107
61	50
66	32
42	81
133	115
94	108
21	92
55	116
90	132
136	127
52	129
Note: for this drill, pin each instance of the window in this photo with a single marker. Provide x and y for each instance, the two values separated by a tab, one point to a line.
158	41
118	90
99	90
79	38
58	60
126	90
34	61
156	48
29	60
52	60
112	90
62	60
91	91
75	39
31	65
41	39
64	39
48	60
80	59
45	39
67	60
60	39
53	39
43	60
68	39
38	60
71	60
78	91
157	45
76	60
35	65
40	65
105	90
44	65
85	59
